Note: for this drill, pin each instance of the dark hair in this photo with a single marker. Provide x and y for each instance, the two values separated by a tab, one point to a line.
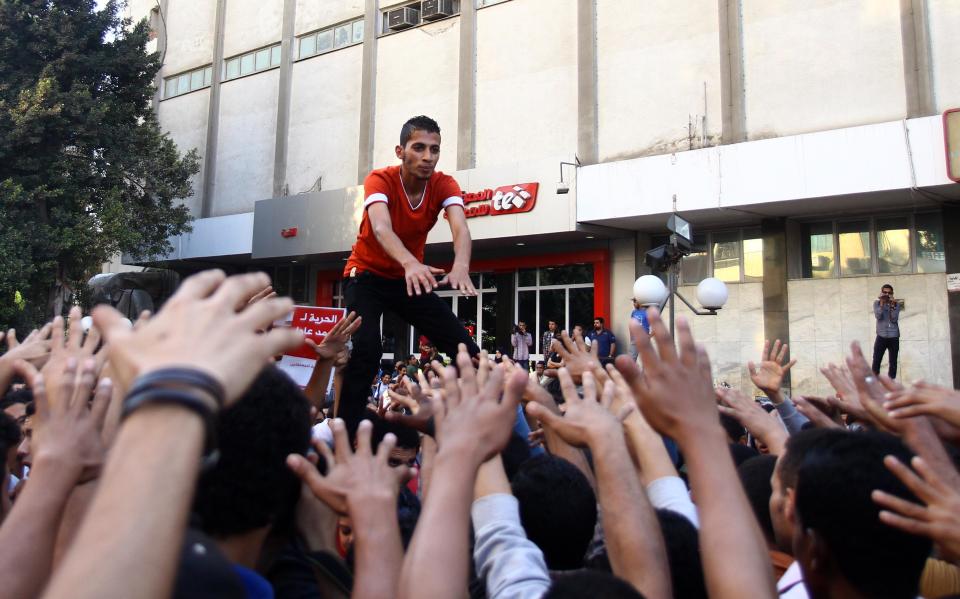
14	396
798	444
407	437
681	540
418	123
558	509
834	485
251	486
591	583
733	428
515	454
755	476
600	318
741	453
9	437
885	286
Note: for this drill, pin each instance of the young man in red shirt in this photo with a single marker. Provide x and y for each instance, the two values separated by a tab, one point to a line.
385	271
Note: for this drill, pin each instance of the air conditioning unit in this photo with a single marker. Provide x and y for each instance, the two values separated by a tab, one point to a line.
403	18
436	9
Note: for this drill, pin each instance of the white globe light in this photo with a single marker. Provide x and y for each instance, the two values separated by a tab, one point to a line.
712	293
649	290
86	322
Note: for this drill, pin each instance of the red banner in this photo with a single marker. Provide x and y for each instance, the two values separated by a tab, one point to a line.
509	199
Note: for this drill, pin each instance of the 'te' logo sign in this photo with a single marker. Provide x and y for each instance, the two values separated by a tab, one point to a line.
509	199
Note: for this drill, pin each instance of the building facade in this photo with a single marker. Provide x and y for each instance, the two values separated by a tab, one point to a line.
802	140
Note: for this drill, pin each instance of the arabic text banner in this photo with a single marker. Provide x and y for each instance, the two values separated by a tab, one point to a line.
315	323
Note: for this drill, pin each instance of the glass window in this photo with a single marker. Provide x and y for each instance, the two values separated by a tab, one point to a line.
581	308
929	241
392	329
246	64
566	275
488	334
854	243
467	313
342	36
752	256
183	83
726	256
171	87
526	312
696	266
817	251
358	31
233	68
308	46
893	245
325	41
552	307
275	56
527	277
262	58
281	281
196	79
298	285
208	75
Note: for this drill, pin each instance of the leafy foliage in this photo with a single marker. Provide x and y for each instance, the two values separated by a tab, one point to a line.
85	171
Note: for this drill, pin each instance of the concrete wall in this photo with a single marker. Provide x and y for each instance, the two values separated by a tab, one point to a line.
821	64
324	121
245	148
250	24
312	14
190	27
944	19
417	73
821	331
622	276
526	81
658	70
184	118
734	336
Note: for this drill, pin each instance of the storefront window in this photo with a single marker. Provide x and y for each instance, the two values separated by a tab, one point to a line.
817	250
552	307
488	324
566	275
726	257
893	245
929	242
527	277
696	266
854	242
752	256
526	312
581	308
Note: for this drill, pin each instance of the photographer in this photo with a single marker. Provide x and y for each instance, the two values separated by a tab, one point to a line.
887	311
521	341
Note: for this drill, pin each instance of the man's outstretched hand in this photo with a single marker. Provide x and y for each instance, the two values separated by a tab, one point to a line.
420	278
459	280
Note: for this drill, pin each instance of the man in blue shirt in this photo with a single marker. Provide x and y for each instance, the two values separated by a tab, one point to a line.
886	309
605	340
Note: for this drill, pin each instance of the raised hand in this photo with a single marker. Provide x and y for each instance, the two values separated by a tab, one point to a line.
925	399
459	280
871	391
939	516
755	419
336	340
75	346
585	420
578	358
847	398
768	375
353	479
206	325
35	348
819	410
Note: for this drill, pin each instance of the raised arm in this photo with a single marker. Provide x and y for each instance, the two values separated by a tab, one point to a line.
419	277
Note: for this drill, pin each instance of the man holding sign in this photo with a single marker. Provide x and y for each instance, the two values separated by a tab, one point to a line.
385	270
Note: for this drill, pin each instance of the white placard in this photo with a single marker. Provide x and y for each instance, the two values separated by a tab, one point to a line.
953	282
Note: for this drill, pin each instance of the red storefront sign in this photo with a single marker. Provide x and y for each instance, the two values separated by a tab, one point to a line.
509	199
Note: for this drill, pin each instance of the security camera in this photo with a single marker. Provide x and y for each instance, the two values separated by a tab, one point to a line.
563	187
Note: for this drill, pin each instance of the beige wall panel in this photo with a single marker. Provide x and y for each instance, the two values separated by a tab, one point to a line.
314	14
658	77
184	118
821	64
526	81
944	19
190	28
250	24
324	121
246	143
417	73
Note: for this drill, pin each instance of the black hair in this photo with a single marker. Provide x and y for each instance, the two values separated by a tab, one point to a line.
251	486
600	318
591	583
833	498
31	409
733	428
885	286
407	438
9	437
681	540
408	513
755	476
515	454
14	396
798	444
418	123
558	509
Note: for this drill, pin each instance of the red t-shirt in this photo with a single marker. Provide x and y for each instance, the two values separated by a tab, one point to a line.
411	223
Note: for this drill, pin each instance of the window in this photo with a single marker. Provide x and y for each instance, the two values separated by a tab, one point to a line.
183	83
253	62
726	256
880	245
695	267
560	293
731	256
330	38
752	256
289	280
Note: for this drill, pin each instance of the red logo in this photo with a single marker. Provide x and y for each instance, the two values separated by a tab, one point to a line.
287	233
509	199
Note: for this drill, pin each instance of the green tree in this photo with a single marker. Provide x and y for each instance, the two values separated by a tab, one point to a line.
85	171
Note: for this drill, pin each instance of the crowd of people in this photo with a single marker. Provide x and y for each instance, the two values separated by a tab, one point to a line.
172	458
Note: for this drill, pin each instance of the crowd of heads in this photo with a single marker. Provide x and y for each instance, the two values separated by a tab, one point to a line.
178	443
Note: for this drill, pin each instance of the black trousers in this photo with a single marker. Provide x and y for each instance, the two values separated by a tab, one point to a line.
881	345
370	296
